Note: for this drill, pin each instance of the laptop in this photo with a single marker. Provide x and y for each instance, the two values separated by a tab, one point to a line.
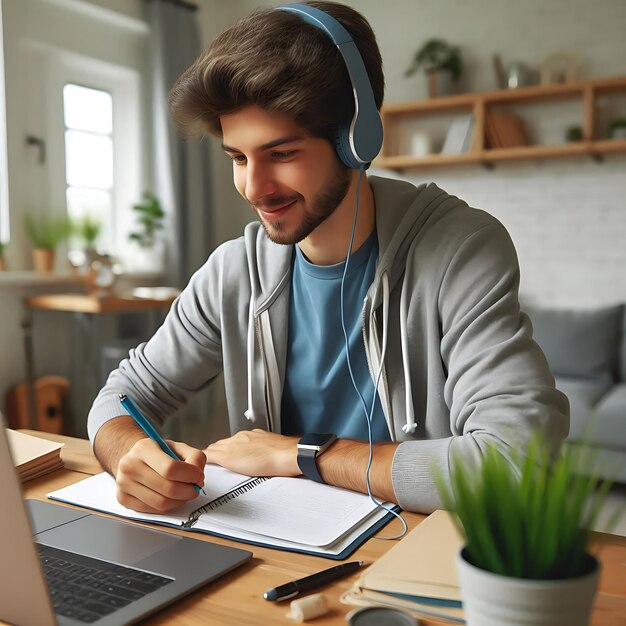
69	567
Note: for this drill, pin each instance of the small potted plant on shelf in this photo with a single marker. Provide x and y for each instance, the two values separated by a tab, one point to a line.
98	269
442	64
525	524
46	233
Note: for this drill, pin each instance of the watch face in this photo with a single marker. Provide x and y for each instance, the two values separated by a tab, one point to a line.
315	439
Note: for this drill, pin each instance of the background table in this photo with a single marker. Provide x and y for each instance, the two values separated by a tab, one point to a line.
87	375
237	598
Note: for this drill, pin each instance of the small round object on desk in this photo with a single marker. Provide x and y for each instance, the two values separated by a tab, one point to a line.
380	616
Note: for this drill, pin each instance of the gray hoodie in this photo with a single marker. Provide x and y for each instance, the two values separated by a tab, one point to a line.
459	366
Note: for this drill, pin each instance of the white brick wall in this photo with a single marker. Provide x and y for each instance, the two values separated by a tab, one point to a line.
567	220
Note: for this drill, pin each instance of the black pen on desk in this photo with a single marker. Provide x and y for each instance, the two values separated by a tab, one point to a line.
308	583
149	429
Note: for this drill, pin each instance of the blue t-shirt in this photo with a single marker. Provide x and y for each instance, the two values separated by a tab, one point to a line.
318	395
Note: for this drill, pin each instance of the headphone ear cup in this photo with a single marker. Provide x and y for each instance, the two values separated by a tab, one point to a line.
343	148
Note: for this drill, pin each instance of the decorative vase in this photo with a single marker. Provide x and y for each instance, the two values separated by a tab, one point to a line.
43	260
493	600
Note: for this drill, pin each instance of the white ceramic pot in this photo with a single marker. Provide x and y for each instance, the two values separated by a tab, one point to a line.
493	600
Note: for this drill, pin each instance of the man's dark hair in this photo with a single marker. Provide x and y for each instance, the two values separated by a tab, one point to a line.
275	60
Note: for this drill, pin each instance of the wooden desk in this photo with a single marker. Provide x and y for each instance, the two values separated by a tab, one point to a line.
237	598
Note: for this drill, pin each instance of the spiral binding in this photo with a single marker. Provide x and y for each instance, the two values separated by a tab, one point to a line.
223	499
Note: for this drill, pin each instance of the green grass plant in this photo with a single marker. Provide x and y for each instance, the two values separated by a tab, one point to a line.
47	232
87	229
525	517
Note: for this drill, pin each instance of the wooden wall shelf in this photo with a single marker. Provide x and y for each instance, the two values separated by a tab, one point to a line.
479	104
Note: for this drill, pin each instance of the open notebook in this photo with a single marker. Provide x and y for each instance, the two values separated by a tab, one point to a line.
287	513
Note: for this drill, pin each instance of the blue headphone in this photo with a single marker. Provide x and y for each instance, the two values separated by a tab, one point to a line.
360	141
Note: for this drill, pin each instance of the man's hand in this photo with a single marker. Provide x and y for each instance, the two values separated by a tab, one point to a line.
148	480
256	453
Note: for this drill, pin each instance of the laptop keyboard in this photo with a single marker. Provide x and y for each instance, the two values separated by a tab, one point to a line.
88	589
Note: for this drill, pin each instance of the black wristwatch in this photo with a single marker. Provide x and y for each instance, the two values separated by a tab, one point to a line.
310	447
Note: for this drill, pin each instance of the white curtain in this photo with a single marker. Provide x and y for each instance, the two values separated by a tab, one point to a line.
181	170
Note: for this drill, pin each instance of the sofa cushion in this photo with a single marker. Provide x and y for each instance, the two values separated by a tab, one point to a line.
583	396
580	344
608	420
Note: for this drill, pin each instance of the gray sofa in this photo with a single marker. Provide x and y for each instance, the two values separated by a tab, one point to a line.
586	350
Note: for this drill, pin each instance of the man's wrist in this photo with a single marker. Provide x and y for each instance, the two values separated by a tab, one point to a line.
344	464
310	447
114	439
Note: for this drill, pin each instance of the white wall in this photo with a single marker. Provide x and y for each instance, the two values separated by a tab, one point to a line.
35	33
567	218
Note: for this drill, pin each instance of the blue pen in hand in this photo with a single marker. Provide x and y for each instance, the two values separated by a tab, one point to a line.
149	429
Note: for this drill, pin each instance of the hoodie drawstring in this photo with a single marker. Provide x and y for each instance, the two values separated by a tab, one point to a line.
411	425
249	413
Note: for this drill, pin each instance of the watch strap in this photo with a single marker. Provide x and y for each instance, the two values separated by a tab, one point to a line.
307	462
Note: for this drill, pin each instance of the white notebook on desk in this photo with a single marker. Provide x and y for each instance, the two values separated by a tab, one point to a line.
287	513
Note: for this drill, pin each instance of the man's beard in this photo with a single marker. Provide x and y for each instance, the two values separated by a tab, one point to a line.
321	207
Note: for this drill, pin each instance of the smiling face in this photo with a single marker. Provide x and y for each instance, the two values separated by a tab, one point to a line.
293	181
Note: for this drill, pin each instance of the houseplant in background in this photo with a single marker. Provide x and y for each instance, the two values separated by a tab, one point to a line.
442	64
99	270
525	559
149	251
2	249
150	217
46	233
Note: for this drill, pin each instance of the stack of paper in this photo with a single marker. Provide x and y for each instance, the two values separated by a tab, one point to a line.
418	573
33	456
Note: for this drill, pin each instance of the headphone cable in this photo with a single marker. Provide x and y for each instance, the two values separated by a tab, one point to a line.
368	414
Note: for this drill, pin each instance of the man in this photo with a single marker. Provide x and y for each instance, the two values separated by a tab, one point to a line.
441	360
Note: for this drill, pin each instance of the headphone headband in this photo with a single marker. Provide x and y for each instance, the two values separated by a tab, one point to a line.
359	141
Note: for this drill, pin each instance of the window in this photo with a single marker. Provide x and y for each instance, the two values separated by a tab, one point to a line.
89	172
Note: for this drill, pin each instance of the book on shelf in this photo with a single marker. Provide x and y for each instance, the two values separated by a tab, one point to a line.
33	456
459	135
417	574
293	514
505	130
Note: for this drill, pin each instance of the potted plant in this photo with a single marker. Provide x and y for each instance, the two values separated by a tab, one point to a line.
95	267
524	522
45	235
442	64
2	249
150	216
87	230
